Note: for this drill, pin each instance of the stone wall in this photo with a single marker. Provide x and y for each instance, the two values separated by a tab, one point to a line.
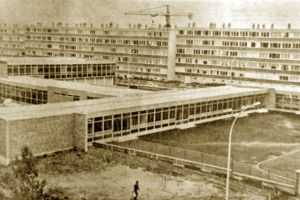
42	135
3	138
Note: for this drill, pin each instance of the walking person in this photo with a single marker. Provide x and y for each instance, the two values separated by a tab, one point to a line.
136	188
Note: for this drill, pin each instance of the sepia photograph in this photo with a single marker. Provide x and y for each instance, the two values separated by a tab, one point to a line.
149	100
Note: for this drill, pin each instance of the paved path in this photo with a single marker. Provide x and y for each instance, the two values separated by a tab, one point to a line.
258	165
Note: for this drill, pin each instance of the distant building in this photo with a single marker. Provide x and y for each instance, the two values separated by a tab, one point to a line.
61	68
268	60
59	126
192	54
31	90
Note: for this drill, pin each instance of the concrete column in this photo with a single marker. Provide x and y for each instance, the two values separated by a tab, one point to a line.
171	54
297	186
271	99
80	132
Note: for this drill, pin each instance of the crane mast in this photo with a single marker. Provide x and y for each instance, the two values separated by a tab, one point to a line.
168	17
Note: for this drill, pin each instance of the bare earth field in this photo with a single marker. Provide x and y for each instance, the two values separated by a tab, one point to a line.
103	174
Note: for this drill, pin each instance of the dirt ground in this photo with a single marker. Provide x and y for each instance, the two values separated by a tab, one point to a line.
103	174
117	183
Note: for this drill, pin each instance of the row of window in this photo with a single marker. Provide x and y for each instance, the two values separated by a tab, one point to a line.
233	74
22	94
244	54
61	71
239	63
142	60
167	116
99	40
213	72
241	44
288	101
72	30
262	34
140	69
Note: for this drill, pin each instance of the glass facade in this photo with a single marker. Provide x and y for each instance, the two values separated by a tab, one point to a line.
288	101
69	71
120	124
23	94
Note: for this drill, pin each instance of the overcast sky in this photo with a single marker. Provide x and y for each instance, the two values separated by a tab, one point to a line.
241	13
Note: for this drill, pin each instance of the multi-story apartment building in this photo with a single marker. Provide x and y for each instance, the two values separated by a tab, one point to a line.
12	40
238	55
225	55
139	52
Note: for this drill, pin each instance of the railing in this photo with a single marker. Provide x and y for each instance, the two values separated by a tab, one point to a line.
205	165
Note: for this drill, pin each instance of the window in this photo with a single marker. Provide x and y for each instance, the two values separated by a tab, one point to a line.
286	45
98	124
275	45
181	51
107	123
150	116
264	44
135	118
284	78
274	55
189	42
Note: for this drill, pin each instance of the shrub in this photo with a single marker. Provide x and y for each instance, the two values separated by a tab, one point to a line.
27	184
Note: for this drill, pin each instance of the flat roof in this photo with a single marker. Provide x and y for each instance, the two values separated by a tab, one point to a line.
51	60
91	107
278	87
43	84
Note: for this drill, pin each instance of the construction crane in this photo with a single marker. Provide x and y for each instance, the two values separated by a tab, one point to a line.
167	14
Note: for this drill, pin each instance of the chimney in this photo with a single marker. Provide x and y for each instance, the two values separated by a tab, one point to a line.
289	26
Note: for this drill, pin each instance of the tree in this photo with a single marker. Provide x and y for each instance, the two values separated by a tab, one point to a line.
28	185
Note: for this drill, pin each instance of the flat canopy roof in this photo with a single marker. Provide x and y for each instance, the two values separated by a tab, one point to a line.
161	98
43	84
51	61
